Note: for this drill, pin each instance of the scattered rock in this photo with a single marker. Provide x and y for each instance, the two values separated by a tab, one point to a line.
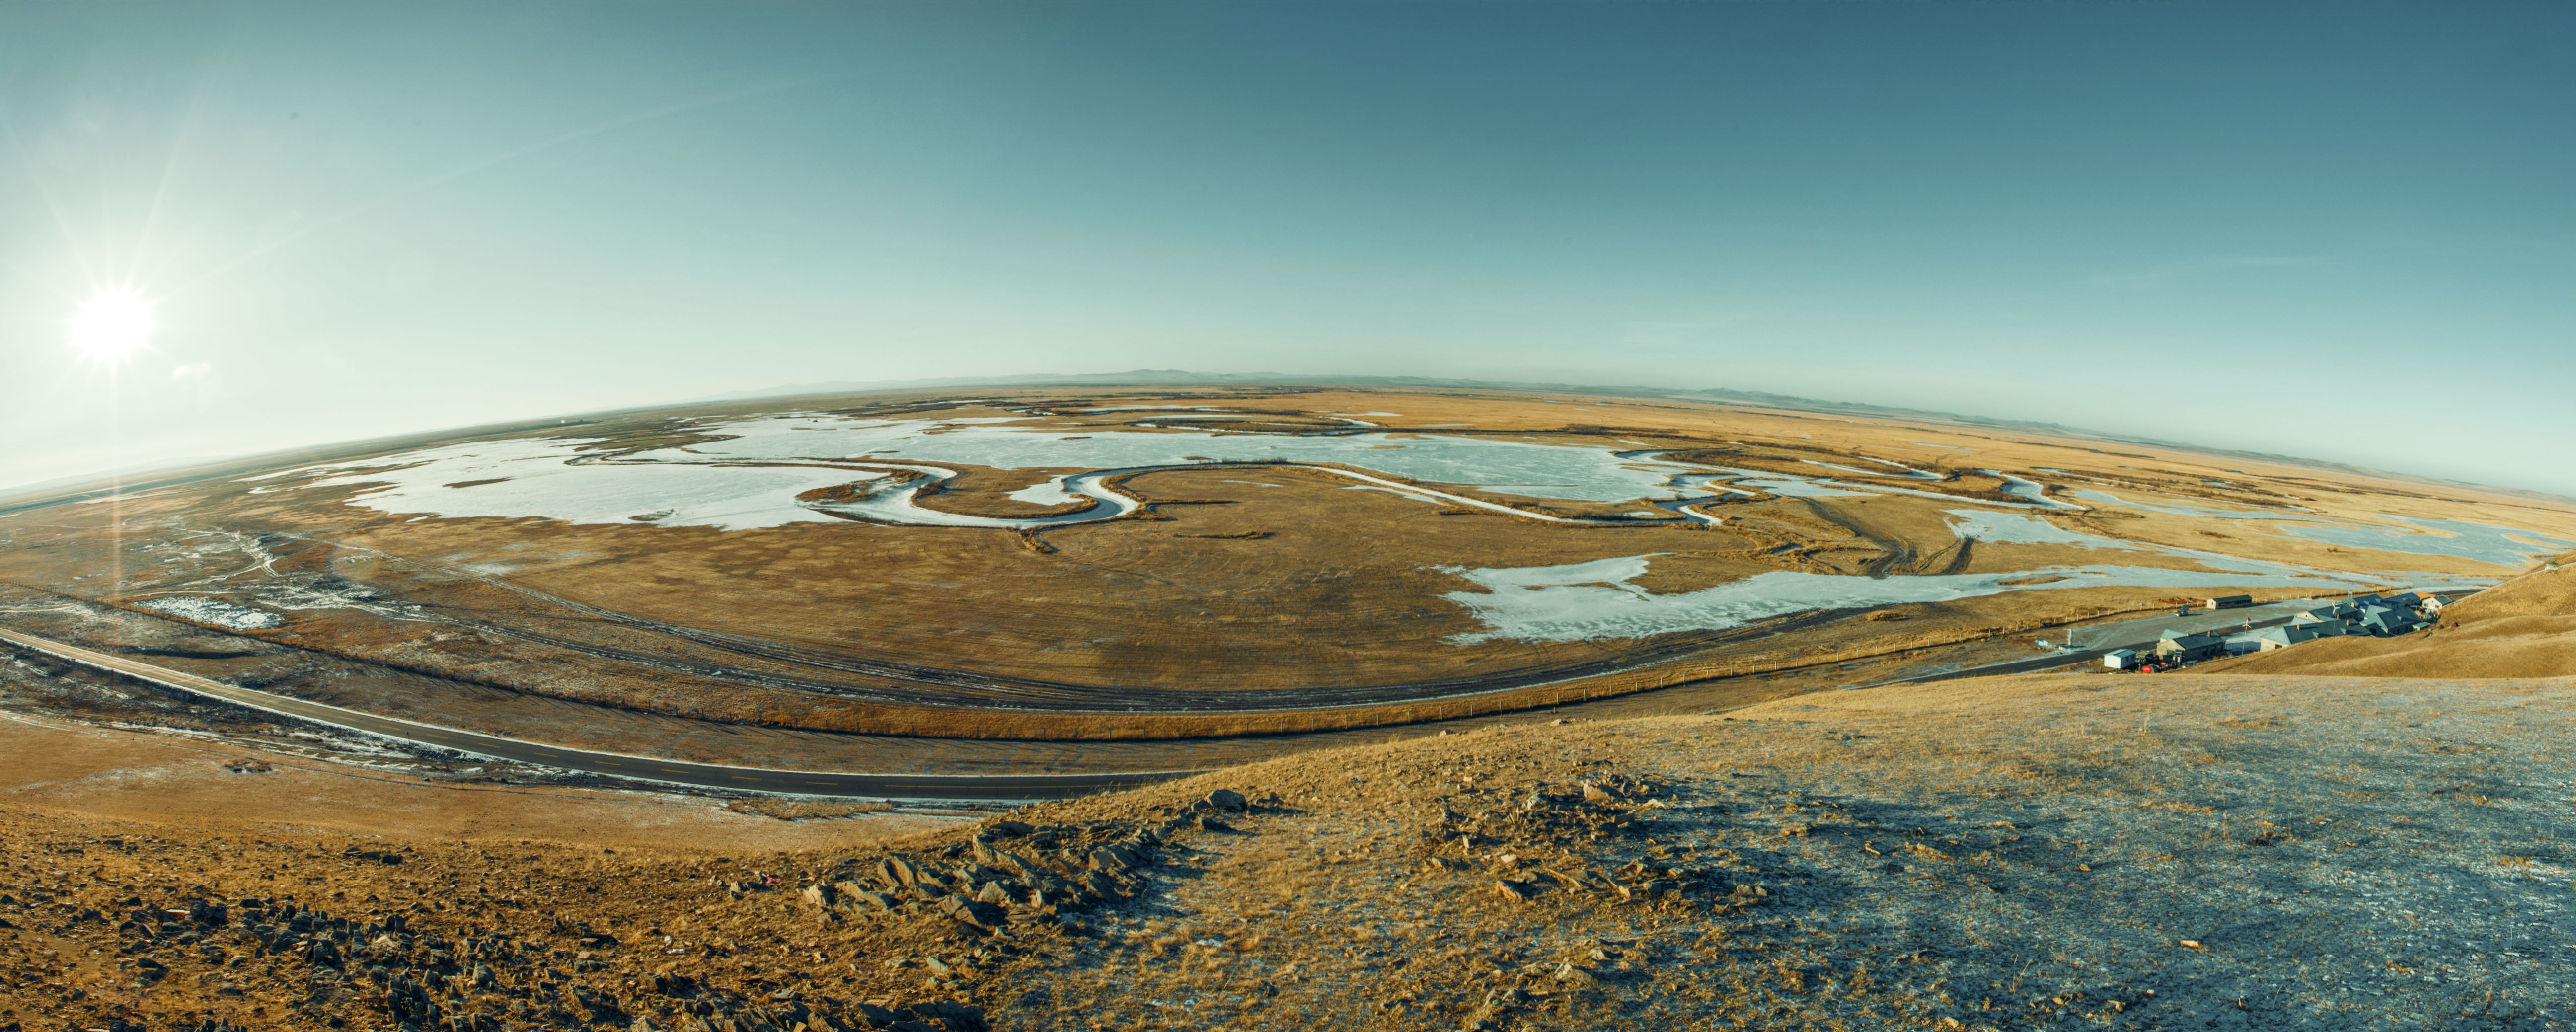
1226	799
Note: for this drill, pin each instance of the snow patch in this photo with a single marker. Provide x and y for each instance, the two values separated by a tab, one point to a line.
214	612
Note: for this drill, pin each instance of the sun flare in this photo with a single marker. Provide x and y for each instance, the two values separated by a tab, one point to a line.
112	324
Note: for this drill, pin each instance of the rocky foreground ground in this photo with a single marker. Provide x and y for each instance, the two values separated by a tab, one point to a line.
2065	851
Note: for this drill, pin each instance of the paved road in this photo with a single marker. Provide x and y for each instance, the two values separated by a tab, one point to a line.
2089	655
982	788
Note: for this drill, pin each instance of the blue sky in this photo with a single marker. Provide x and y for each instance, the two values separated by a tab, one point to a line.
2341	231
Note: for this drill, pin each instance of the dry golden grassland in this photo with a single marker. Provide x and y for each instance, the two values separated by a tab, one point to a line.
2229	852
1225	589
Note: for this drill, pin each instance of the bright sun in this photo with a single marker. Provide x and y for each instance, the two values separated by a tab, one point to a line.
112	324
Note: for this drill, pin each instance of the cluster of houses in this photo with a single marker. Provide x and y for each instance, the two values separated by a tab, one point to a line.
2374	615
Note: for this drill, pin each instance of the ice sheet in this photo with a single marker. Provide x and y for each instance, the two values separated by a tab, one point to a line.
2486	544
215	612
1910	472
1799	488
1542	470
1415	495
2030	489
521	478
1819	488
750	478
1044	492
751	475
2014	529
2186	510
1594	600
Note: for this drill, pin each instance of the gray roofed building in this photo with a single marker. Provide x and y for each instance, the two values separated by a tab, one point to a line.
2190	647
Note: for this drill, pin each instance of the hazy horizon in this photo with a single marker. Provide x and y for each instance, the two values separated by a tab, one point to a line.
2337	232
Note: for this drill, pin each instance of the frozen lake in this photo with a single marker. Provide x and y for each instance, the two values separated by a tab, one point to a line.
2486	544
2172	509
2030	489
2503	546
1597	600
752	475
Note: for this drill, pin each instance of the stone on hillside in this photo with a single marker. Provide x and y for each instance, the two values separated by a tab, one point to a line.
1226	799
1009	861
955	1017
993	893
986	916
821	895
1517	892
1010	829
1596	794
1213	824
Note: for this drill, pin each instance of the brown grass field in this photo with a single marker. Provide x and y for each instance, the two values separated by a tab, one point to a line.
1234	604
2237	852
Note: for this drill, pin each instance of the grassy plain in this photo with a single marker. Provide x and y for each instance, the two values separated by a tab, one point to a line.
1242	600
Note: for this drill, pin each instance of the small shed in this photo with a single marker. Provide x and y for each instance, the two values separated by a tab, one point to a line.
2120	659
2231	602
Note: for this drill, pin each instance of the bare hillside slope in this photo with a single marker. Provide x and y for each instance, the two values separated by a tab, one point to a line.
2032	852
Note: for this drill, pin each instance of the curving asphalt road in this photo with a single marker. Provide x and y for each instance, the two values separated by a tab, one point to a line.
926	787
